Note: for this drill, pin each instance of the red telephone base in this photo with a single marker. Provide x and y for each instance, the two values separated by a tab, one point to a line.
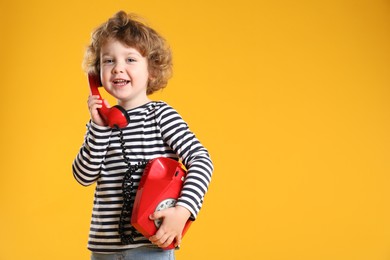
159	188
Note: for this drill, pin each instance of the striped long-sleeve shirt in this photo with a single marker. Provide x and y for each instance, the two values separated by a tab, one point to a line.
155	129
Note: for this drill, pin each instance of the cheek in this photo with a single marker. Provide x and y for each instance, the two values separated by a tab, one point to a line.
104	75
150	73
142	75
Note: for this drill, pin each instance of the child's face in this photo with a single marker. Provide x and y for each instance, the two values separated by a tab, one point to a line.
124	73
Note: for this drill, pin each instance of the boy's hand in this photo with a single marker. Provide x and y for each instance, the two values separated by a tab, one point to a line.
93	104
174	220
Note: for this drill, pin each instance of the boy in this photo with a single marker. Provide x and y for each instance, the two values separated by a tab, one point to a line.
133	61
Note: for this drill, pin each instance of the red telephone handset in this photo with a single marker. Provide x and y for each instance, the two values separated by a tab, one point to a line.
159	188
115	116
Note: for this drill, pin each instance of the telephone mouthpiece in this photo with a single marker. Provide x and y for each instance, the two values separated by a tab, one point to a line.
117	117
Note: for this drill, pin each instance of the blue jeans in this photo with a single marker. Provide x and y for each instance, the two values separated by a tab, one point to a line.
140	253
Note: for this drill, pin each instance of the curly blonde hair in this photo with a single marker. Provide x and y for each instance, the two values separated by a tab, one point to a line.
129	30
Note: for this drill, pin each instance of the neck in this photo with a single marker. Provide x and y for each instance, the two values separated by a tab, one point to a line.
130	104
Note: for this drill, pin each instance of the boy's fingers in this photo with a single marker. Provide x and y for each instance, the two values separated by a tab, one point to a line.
156	215
177	241
106	103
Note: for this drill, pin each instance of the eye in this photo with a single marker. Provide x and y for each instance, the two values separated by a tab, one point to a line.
108	61
130	60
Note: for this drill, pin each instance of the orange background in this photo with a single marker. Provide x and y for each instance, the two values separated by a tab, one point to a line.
290	97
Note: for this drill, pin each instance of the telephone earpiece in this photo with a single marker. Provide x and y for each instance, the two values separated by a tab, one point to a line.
115	116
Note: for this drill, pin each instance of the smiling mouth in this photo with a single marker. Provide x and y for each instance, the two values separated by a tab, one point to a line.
120	82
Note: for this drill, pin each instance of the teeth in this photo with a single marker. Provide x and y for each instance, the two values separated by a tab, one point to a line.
121	81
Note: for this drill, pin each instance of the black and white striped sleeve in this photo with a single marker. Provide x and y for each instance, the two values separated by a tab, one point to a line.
193	154
87	164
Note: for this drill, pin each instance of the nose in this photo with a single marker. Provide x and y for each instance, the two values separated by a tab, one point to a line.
118	68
